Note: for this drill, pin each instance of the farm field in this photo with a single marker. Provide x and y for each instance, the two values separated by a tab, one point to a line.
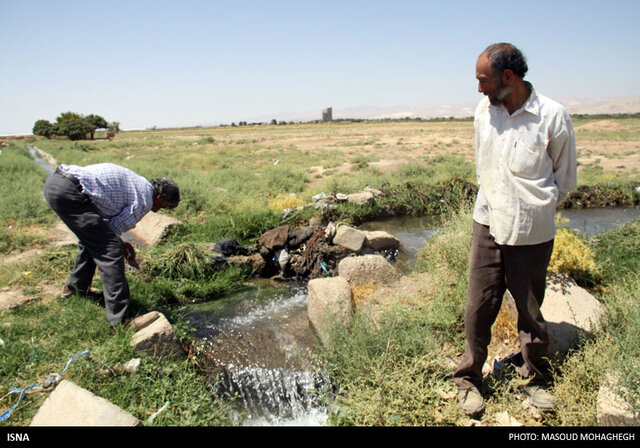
248	166
237	181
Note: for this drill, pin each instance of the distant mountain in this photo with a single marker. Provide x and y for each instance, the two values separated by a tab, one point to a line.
616	105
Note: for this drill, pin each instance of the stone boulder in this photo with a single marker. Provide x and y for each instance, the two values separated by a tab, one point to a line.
329	304
352	239
361	198
155	336
380	240
374	191
570	312
71	405
367	269
153	228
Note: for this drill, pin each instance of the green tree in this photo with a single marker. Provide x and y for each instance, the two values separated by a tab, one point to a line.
97	122
65	116
75	128
43	128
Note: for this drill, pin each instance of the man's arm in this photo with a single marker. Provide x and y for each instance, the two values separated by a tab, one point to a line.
562	149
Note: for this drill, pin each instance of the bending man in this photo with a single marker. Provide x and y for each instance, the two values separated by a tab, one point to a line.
99	203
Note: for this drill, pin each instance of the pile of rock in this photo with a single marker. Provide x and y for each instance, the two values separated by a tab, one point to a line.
327	203
309	252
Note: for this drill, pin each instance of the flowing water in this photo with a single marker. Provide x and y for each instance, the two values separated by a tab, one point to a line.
40	161
259	343
261	346
593	221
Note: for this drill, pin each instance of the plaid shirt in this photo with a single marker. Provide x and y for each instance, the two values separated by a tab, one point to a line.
120	195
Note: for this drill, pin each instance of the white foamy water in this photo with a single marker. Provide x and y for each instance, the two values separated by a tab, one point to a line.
277	397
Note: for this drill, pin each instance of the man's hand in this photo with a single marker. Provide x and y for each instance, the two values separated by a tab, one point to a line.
130	254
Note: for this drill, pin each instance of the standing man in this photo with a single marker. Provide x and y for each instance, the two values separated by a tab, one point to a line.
525	162
99	203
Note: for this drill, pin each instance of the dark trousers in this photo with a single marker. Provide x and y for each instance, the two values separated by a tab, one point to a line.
98	245
493	269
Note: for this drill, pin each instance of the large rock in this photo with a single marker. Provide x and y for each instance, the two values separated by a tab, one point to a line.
153	228
571	313
329	304
155	336
71	405
361	198
380	240
367	269
349	237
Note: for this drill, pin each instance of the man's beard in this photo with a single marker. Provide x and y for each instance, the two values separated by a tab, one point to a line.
500	97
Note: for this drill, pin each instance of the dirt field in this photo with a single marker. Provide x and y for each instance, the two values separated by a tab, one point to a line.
612	144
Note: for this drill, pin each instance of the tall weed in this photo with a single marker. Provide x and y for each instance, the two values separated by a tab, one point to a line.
21	183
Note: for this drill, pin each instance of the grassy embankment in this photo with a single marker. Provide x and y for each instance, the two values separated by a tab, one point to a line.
236	183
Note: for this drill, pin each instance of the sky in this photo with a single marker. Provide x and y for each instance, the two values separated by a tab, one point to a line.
198	63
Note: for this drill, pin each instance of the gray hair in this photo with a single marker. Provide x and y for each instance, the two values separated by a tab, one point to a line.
505	56
169	188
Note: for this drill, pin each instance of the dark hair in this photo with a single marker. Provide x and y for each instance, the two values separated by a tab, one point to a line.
168	188
505	56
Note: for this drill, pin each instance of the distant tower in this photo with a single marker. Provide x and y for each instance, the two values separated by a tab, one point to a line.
327	114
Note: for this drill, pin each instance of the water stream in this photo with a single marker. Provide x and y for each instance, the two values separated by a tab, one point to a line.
261	344
40	161
593	221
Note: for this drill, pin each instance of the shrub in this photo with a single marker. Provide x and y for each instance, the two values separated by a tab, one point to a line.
283	202
573	257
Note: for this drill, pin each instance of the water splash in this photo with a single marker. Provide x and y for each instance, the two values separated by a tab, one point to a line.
259	347
277	397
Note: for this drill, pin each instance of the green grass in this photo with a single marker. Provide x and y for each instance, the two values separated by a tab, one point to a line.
618	260
41	337
19	174
227	180
413	387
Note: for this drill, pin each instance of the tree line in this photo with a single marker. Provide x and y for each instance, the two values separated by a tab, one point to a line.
74	126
